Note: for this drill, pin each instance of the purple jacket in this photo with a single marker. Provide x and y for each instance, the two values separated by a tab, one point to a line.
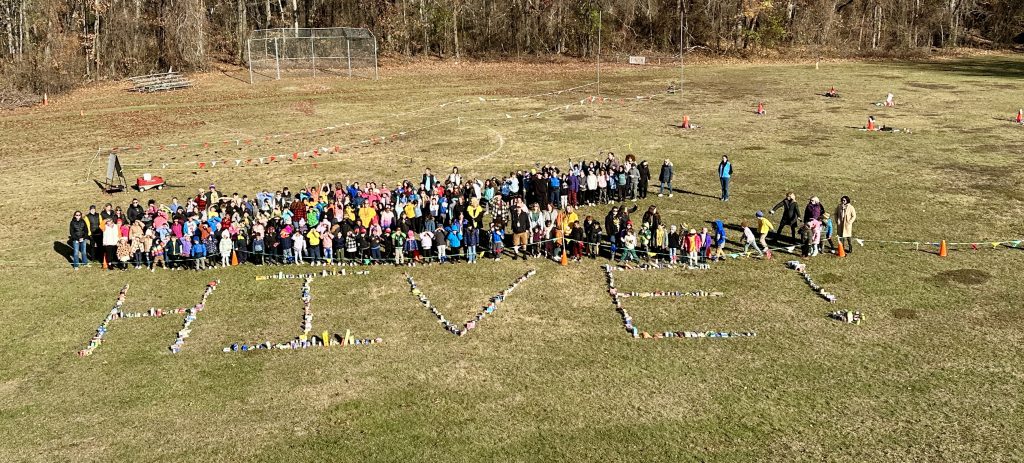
574	182
813	212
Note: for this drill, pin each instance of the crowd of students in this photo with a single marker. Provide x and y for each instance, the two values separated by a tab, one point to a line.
524	214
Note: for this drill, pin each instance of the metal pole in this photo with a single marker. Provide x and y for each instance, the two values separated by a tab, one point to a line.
599	21
312	51
348	53
375	76
248	49
277	60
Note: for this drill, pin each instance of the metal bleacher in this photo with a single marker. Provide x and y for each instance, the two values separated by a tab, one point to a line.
164	81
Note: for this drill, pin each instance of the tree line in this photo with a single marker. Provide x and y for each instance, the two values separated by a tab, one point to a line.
51	45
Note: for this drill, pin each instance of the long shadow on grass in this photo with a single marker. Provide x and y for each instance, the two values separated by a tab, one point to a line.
980	67
63	249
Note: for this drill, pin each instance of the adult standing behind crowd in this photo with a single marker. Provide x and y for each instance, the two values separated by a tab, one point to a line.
814	210
846	215
790	215
665	178
645	178
724	176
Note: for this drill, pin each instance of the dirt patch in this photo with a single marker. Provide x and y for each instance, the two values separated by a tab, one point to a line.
754	148
822	155
574	117
305	107
983	178
805	141
964	276
930	86
904	314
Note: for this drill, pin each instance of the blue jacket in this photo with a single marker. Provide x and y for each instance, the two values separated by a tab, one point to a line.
725	169
719	233
454	238
472	237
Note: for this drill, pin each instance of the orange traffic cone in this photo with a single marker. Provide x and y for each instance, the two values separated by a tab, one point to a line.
871	124
943	251
1020	116
105	266
842	250
46	99
686	121
760	108
564	244
234	259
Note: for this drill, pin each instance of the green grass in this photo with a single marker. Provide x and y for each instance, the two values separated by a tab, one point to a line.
933	375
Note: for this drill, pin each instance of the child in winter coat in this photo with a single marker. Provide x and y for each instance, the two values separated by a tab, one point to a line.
535	242
629	246
719	240
398	243
426	243
454	240
673	244
298	246
472	240
199	253
815	237
412	246
692	247
764	226
442	244
805	240
497	241
156	253
225	248
594	240
705	244
749	240
828	230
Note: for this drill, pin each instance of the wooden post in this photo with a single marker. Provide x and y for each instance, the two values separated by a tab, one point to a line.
312	51
348	53
248	47
277	59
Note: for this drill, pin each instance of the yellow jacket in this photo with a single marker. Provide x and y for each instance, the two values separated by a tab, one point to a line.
366	215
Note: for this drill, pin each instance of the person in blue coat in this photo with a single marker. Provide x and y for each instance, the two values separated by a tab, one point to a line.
719	240
724	176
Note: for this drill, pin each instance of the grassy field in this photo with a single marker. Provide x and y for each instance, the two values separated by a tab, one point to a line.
935	373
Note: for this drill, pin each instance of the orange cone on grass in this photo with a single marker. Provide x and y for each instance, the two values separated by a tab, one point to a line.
686	121
842	250
561	241
105	265
943	251
871	124
1020	116
760	108
234	259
